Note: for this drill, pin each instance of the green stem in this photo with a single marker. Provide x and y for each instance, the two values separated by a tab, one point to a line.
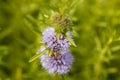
62	77
98	64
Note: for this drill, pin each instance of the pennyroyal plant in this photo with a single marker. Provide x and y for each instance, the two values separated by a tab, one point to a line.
55	56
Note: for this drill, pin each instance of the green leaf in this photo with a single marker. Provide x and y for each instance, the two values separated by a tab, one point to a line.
37	55
71	41
115	48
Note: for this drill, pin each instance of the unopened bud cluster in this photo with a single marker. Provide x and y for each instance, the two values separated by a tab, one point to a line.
62	20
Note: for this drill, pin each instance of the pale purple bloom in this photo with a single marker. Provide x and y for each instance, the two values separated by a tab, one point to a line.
60	64
63	42
49	37
69	33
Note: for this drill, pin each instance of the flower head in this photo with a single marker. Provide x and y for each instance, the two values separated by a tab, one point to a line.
63	42
60	64
49	35
50	39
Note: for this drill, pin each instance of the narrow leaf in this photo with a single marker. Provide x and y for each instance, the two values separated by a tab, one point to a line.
37	55
71	41
116	48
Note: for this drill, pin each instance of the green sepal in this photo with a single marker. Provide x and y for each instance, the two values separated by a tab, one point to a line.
71	41
50	52
38	55
58	35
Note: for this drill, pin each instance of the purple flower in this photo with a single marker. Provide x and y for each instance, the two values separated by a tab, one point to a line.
69	33
60	64
49	37
64	43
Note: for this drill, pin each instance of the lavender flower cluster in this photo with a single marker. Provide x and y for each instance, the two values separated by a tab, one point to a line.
60	60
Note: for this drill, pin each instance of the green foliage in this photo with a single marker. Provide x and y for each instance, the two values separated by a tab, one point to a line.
71	41
38	55
96	31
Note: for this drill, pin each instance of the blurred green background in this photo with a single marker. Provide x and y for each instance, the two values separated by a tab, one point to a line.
96	31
